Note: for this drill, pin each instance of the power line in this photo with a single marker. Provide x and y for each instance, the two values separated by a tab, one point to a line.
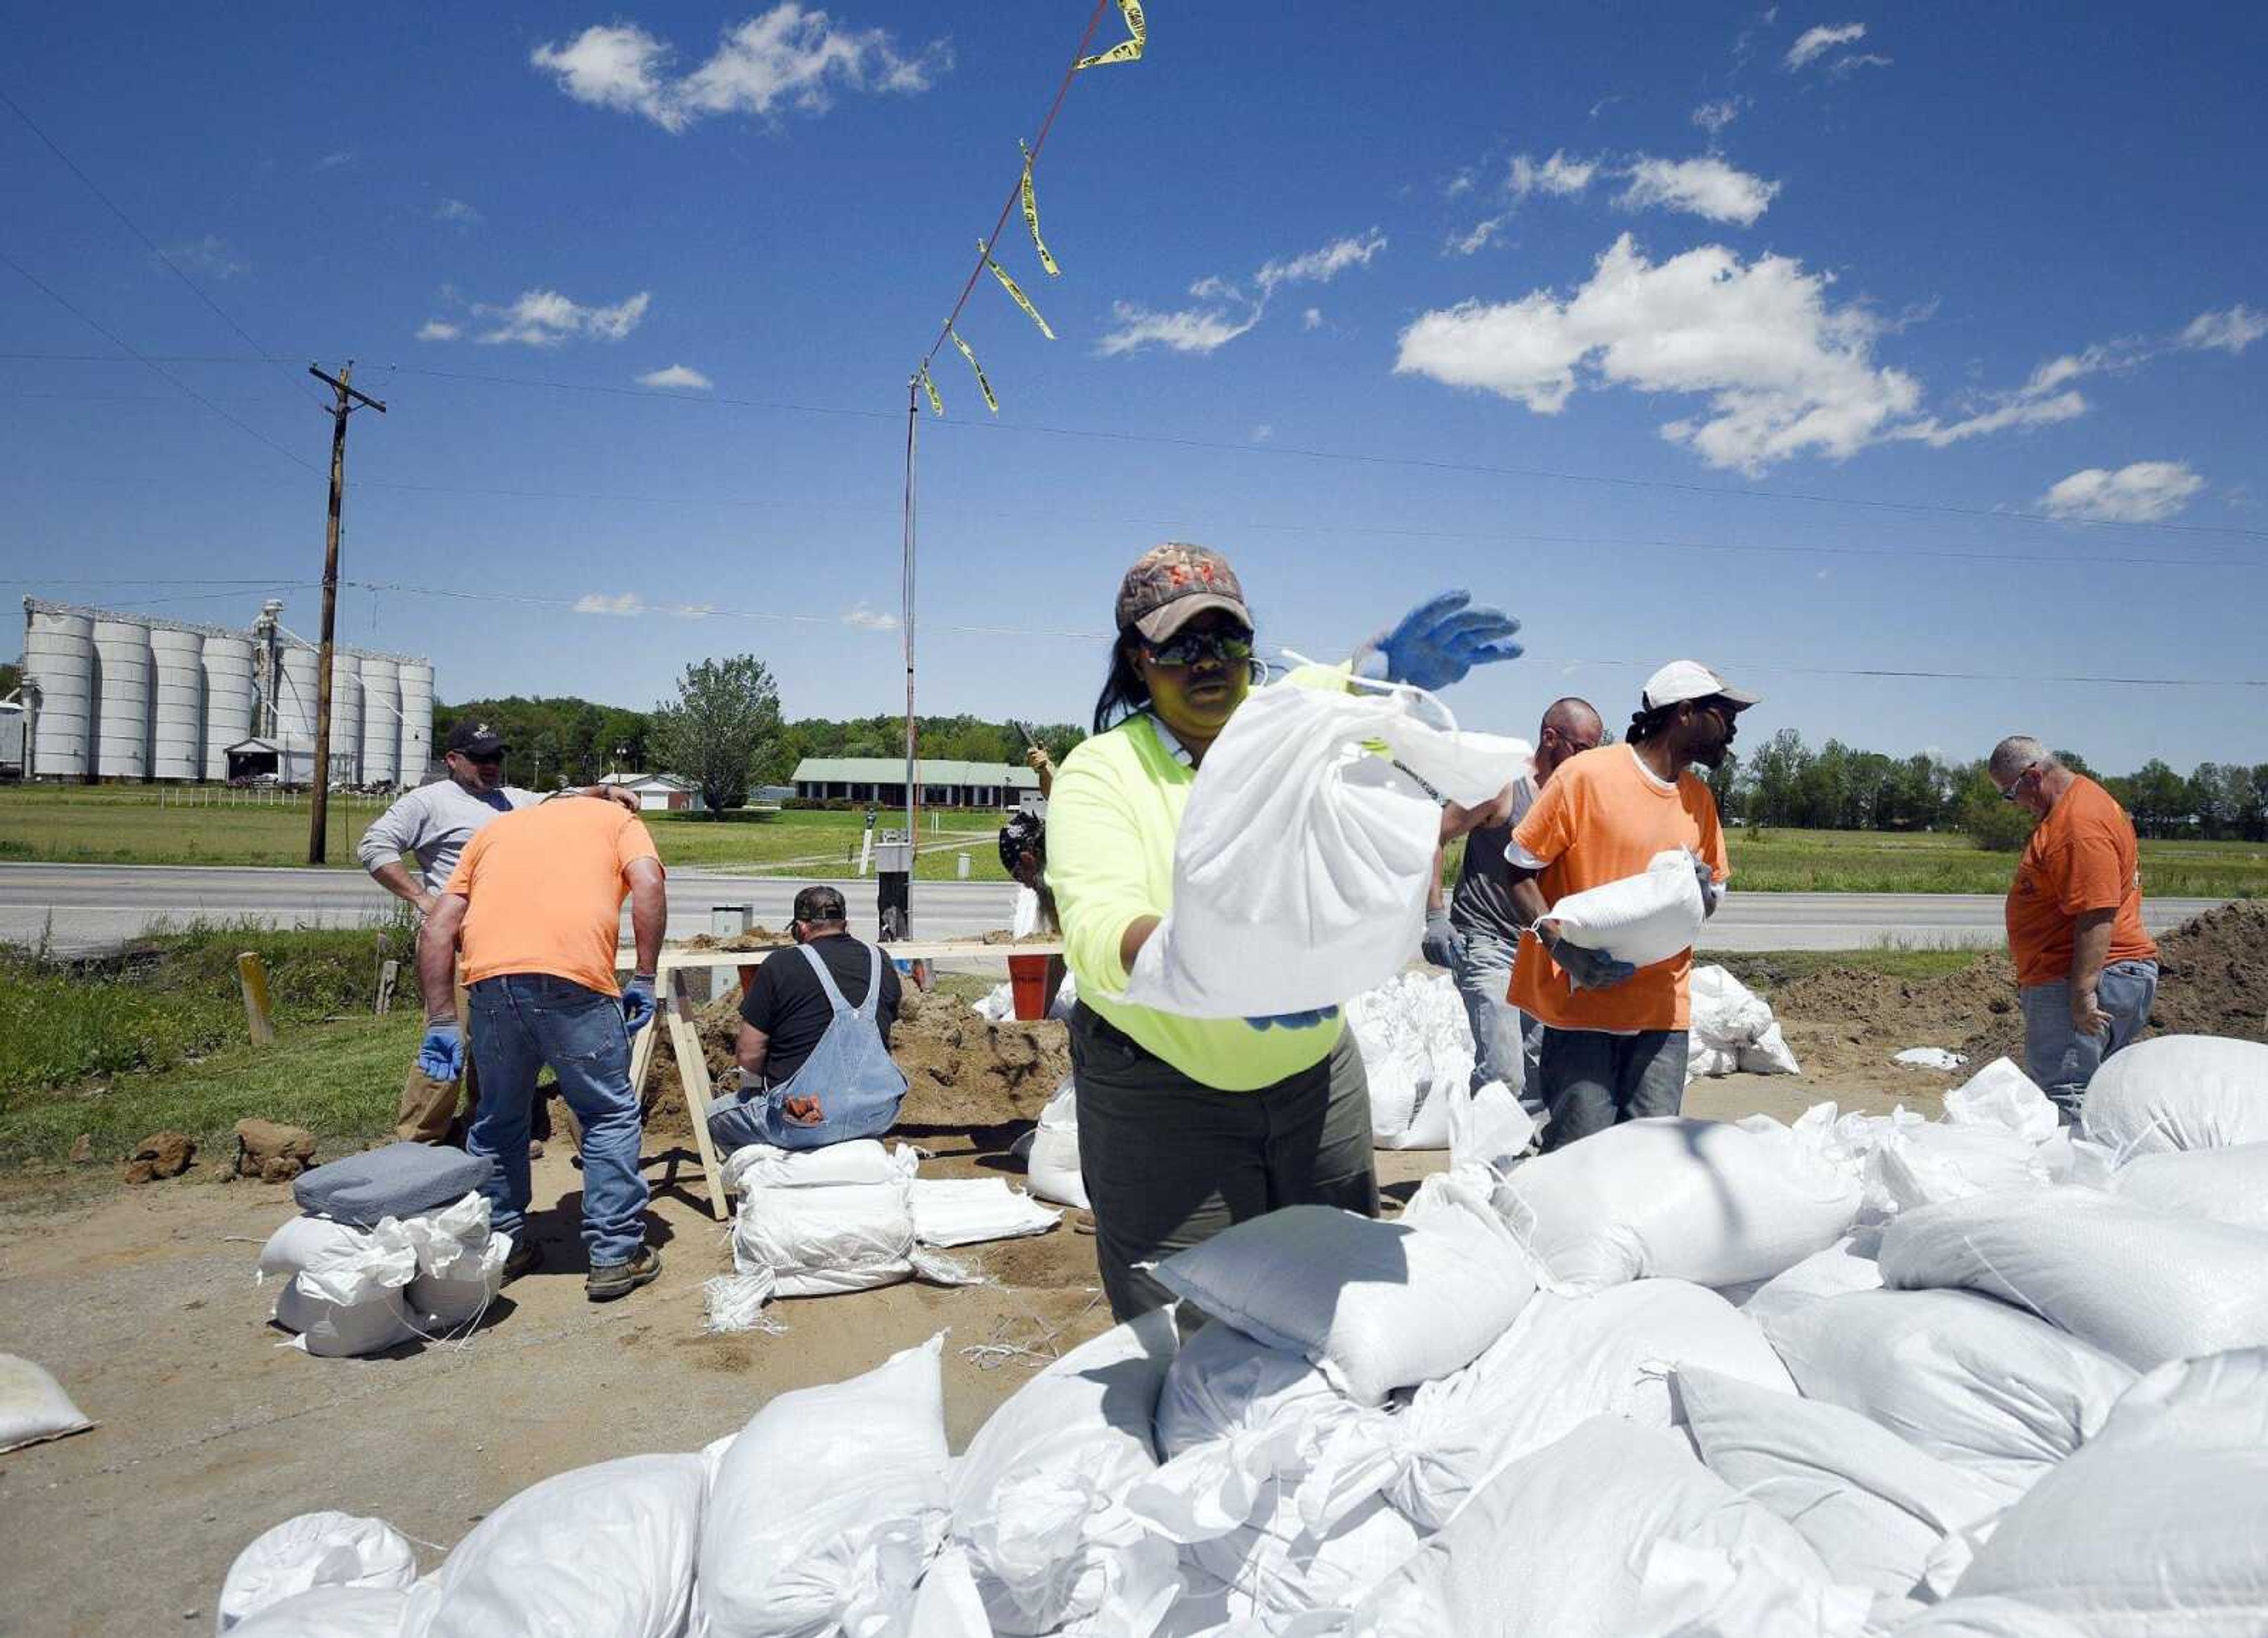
172	266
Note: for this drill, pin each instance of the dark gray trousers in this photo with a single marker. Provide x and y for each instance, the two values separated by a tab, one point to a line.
1169	1162
1591	1081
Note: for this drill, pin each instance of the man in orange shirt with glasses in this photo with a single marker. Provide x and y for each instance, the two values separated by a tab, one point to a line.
2086	972
1614	1044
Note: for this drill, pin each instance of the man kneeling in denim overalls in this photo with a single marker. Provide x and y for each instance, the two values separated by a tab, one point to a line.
816	1064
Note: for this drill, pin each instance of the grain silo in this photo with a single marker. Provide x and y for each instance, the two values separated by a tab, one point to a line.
295	699
122	698
381	721
178	697
229	699
346	719
59	676
416	720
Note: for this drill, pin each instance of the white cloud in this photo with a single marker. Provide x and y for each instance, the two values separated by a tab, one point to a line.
336	157
1458	185
2231	331
1713	117
679	376
1784	371
438	330
789	56
2024	408
1261	433
457	211
1560	177
546	319
1480	236
630	605
867	617
1320	266
2146	491
1816	42
209	255
1857	60
1188	330
1312	319
1706	186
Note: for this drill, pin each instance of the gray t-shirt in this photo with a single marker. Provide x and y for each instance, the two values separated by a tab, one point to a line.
433	823
1483	900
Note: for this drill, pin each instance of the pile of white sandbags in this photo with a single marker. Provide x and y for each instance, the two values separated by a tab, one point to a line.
1050	1151
352	1291
1416	1043
1732	1028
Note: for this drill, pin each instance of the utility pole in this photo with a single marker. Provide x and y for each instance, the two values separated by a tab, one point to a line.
348	399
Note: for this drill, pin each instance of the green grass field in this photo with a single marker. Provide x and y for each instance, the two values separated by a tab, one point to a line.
129	824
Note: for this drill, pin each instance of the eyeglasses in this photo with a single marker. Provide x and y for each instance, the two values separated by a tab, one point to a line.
1189	647
2008	791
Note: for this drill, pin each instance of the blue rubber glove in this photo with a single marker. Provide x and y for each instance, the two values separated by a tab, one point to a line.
1591	969
638	1002
1295	1020
1444	945
1437	643
441	1056
1709	890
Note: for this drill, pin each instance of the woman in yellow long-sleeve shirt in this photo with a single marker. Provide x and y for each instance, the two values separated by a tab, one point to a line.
1189	1125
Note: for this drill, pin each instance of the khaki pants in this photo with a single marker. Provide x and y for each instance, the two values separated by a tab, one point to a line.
428	1113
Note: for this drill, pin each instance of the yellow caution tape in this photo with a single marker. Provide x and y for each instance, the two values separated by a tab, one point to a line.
1032	214
936	404
982	385
1125	50
1015	292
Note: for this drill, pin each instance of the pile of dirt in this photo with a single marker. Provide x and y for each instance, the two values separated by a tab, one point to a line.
1002	935
757	937
1847	1022
2213	974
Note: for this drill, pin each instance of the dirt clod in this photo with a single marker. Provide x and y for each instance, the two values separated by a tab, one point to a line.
160	1155
83	1151
272	1152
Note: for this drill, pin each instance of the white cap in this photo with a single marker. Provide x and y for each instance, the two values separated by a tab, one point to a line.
1689	679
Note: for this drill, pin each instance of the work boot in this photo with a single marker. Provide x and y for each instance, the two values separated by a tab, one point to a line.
606	1281
526	1258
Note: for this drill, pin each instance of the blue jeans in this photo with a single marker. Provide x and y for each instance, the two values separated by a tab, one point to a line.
1591	1081
1504	1043
2060	1059
521	1021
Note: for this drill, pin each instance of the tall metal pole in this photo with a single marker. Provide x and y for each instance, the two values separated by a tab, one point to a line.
319	809
906	624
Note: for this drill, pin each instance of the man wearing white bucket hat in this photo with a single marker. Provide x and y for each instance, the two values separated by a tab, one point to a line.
1615	1034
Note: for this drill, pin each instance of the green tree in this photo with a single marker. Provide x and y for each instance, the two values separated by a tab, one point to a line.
2159	804
1990	819
720	728
1776	769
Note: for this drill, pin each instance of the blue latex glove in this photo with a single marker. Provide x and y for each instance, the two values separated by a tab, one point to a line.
1591	969
1709	890
638	1002
1437	643
1295	1020
441	1056
1444	945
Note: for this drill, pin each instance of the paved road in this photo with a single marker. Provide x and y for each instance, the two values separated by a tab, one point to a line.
84	908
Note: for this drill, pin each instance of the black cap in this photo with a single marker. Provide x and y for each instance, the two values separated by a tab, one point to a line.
819	906
475	739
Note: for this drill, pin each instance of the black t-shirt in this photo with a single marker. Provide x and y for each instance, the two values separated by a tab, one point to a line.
785	1002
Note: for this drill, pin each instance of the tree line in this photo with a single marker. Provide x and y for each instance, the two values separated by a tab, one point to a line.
1784	782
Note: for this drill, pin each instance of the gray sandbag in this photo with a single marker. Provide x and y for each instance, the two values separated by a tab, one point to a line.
400	1180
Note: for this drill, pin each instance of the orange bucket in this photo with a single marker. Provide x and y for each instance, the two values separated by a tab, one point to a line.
1029	976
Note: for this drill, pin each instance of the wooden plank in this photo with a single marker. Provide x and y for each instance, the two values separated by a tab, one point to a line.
693	1076
904	950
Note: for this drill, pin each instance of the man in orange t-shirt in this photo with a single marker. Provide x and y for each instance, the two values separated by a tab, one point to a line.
2086	972
1614	1044
536	900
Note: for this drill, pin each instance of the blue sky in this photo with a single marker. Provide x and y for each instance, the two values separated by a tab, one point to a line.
1728	334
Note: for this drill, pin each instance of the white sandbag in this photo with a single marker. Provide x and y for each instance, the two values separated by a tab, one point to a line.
1872	1506
817	1241
1276	1570
1925	1164
309	1243
1985	1616
325	1549
598	1551
1689	1199
2159	1527
1769	1053
1377	1305
2222	1185
1556	1545
375	1320
2139	1283
1052	1163
33	1406
827	1506
1407	1108
1303	858
2179	1091
1942	1059
1489	1127
331	1612
460	1290
1641	919
1417	1045
1561	1362
1841	1267
1035	1497
1975	1382
965	1211
857	1160
2003	1096
1703	1063
947	1605
1752	1591
1725	1012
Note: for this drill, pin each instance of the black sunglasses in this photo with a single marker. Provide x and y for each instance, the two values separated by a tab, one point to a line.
1191	646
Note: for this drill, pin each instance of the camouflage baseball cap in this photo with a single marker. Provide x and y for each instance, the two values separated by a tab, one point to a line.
1171	584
